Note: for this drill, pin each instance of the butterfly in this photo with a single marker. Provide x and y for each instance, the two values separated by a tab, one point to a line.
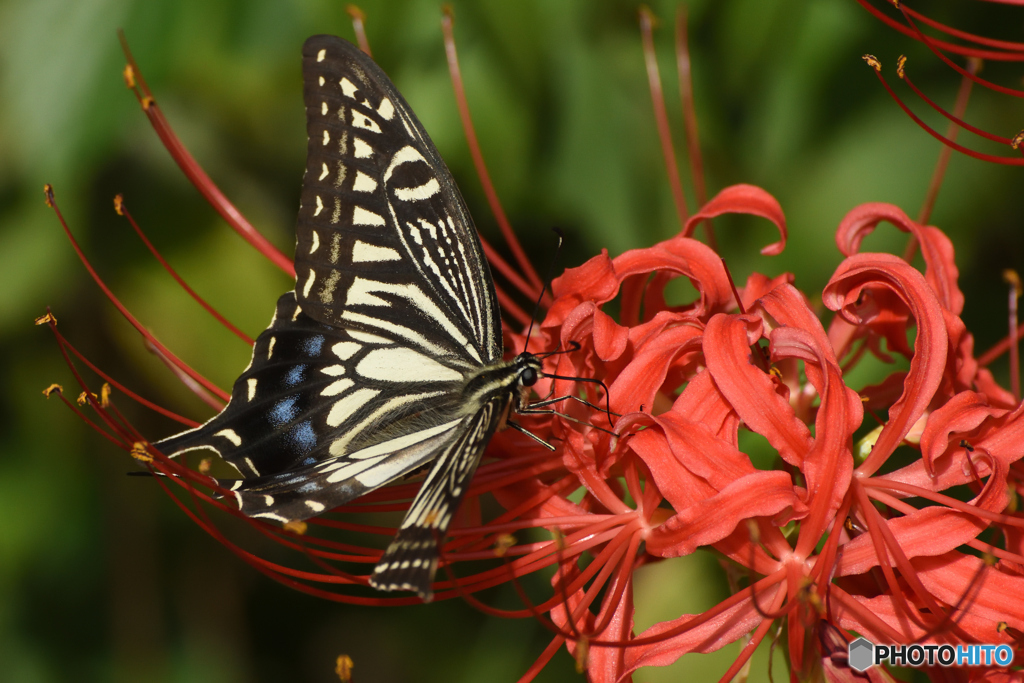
388	354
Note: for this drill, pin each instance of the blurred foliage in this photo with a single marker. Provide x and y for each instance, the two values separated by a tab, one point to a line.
101	577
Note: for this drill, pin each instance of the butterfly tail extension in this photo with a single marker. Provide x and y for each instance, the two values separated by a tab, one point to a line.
410	562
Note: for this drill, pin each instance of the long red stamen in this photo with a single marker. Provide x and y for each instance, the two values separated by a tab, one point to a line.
966	51
194	172
534	288
668	151
359	27
62	340
684	68
1007	161
146	334
122	210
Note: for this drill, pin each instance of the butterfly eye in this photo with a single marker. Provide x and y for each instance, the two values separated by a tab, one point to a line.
529	377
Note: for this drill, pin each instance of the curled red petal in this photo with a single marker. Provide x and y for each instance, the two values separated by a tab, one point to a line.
936	249
639	382
678	256
960	415
745	199
595	280
843	294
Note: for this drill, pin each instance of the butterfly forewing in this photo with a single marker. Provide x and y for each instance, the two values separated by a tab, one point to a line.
384	241
388	353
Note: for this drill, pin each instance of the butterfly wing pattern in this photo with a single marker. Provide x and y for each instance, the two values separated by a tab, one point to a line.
388	353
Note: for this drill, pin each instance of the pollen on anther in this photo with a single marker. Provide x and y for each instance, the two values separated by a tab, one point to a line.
872	62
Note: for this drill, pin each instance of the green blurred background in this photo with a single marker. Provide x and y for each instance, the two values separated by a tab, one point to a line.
101	577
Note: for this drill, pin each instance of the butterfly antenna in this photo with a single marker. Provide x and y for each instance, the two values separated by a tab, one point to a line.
546	285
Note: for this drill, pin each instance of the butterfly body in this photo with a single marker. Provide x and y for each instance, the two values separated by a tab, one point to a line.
387	356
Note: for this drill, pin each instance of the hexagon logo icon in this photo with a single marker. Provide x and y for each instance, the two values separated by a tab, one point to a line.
861	654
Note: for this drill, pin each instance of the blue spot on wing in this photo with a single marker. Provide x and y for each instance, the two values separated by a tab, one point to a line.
295	375
313	346
284	411
303	438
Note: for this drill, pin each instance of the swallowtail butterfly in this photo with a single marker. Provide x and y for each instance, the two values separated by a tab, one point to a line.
388	353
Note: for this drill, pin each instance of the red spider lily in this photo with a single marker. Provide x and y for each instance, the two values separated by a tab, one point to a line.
835	539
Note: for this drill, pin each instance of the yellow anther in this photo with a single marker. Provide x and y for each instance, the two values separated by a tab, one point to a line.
1011	278
48	193
129	76
873	62
504	542
296	526
147	102
1017	140
900	63
52	388
558	538
105	392
46	319
204	466
140	451
343	667
119	204
582	655
83	397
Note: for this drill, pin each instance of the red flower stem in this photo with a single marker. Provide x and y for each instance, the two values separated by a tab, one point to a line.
955	123
683	67
123	210
995	55
1000	348
874	521
771	580
660	113
543	558
824	563
608	561
62	340
576	522
146	334
884	534
188	165
509	305
906	509
1008	161
554	646
956	67
500	575
534	288
953	503
359	27
625	569
755	640
879	628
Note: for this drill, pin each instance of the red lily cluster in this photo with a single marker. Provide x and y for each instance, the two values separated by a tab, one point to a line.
827	538
889	512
